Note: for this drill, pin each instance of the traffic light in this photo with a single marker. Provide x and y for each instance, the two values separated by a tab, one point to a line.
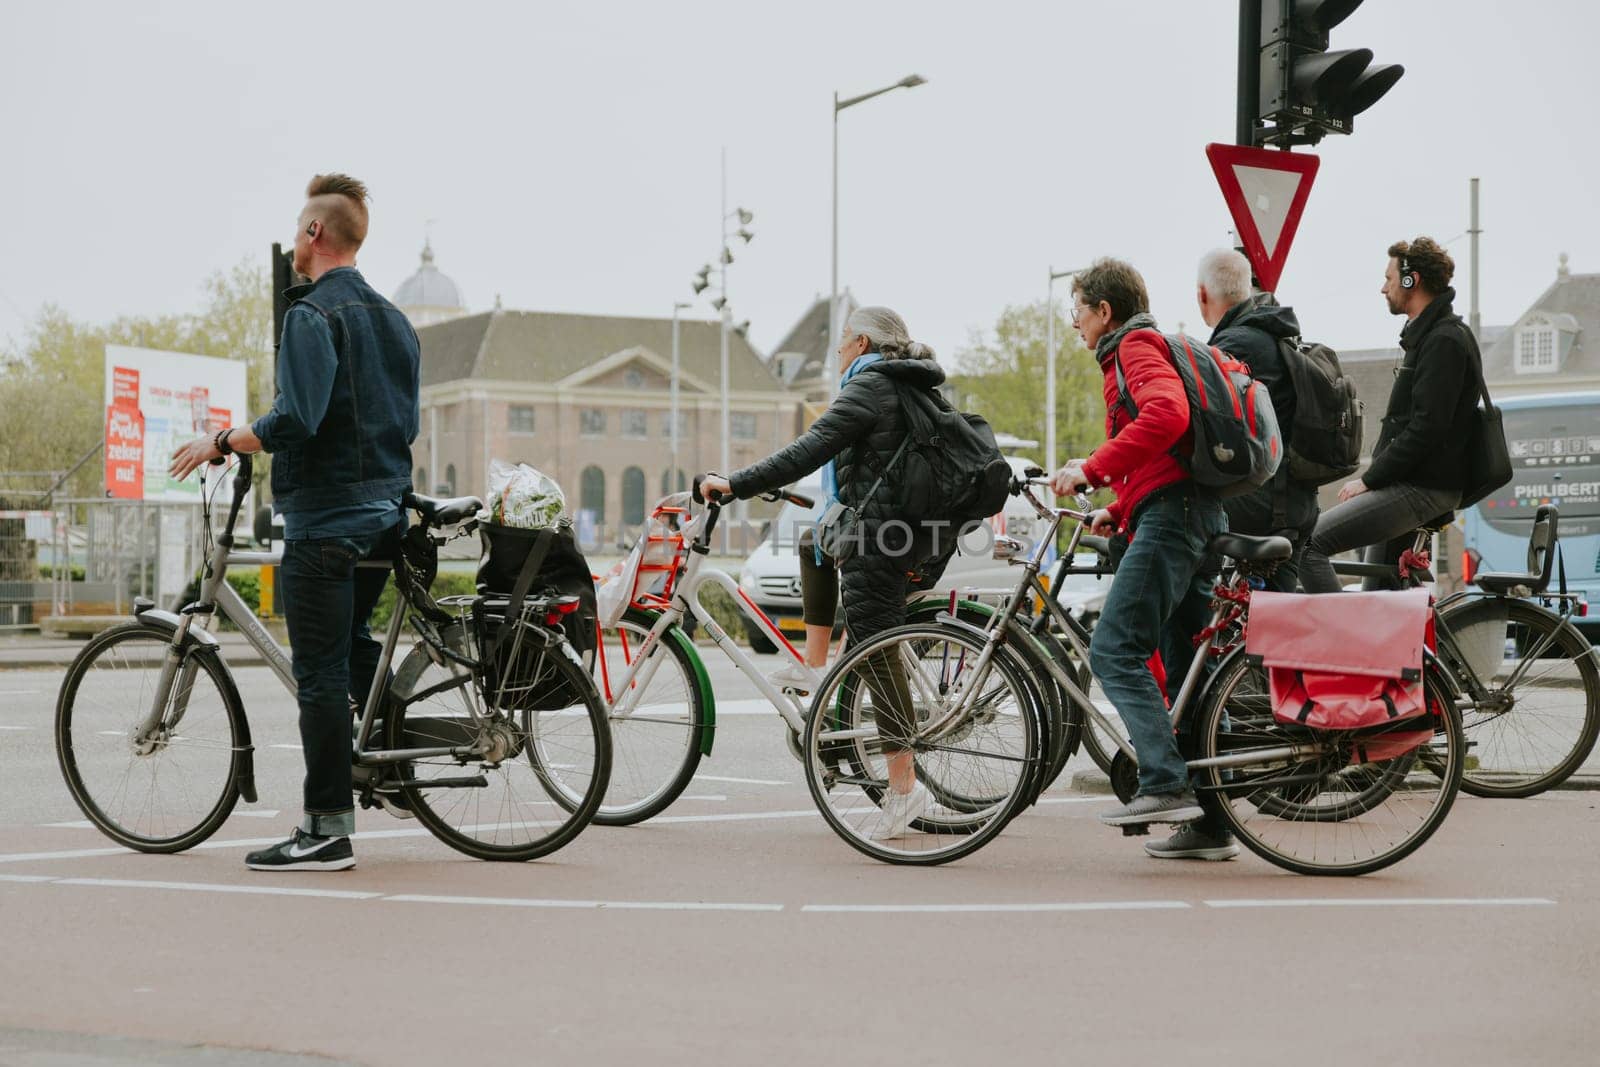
1305	90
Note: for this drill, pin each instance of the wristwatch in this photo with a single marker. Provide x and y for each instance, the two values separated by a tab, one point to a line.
221	441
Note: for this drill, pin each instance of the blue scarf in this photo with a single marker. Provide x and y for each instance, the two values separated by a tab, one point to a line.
830	477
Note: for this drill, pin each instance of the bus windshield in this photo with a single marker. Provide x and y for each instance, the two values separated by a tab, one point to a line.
1555	459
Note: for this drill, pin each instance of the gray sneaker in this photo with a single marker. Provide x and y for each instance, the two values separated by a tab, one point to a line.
1155	807
1190	844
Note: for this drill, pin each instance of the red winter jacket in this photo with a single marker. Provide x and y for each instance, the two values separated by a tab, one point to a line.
1136	459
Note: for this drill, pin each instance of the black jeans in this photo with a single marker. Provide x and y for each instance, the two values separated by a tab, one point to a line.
327	603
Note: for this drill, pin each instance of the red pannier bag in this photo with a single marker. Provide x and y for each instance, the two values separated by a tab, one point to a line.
1347	661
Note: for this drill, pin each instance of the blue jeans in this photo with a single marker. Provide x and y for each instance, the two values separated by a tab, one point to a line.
1159	600
327	602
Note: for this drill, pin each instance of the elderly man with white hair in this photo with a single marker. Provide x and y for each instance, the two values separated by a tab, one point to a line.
1248	326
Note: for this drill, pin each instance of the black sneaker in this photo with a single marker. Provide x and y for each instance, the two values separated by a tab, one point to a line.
304	852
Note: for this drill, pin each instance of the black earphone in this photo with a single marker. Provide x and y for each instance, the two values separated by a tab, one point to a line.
311	230
1407	279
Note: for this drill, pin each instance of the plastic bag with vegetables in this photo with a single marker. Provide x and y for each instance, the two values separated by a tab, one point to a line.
523	497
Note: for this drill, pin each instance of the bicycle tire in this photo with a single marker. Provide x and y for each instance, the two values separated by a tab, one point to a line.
853	755
1500	772
73	745
1231	790
628	763
520	733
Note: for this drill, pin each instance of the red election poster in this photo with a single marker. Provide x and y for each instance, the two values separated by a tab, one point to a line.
124	452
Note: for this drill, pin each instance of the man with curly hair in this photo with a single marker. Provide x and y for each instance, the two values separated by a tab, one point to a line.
1418	467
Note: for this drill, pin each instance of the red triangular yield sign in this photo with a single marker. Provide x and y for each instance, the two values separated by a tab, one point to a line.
1266	192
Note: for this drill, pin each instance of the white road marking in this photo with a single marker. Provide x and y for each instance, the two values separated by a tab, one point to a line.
270	813
81	824
216	887
738	781
593	905
1056	905
755	706
20	692
703	796
1075	800
296	748
1379	902
27	877
735	817
16	727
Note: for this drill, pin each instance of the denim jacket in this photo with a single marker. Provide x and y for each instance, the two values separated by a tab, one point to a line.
346	411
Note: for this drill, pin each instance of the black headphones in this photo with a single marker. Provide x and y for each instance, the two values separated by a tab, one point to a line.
1407	279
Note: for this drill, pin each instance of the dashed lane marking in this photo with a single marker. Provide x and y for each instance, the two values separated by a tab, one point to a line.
1049	905
593	905
1384	902
738	781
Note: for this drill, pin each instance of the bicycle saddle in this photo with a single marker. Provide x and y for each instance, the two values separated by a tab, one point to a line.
1438	522
1252	549
437	512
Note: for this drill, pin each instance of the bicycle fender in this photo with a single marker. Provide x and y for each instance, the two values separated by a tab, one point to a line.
203	640
708	696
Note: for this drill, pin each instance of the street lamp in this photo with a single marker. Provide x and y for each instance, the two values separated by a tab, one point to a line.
1050	368
702	281
672	479
830	356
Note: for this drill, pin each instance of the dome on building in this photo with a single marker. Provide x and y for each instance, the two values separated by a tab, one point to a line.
429	295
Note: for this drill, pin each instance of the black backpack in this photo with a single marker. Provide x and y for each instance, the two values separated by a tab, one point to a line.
1325	441
953	470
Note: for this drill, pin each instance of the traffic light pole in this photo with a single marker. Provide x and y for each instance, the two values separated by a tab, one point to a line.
1249	72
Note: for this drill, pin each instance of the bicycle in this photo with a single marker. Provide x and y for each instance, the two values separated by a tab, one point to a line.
652	682
153	740
1523	675
1281	788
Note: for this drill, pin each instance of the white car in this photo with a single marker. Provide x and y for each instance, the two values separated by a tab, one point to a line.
771	576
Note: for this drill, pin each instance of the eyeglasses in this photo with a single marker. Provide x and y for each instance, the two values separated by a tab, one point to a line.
1079	309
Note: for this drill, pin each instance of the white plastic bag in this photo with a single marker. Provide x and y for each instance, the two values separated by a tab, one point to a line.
523	497
614	592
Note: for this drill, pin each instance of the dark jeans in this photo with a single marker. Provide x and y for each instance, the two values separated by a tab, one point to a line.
1160	598
327	602
1253	514
1381	520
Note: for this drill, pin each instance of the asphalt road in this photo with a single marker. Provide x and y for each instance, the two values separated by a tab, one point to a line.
736	929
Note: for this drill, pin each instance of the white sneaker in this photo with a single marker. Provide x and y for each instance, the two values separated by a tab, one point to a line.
795	675
899	811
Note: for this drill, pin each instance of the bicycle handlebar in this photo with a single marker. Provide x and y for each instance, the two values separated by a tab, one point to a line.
715	500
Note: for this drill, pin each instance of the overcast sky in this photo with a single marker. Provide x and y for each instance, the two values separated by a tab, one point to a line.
569	152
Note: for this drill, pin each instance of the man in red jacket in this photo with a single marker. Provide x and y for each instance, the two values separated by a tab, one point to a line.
1160	598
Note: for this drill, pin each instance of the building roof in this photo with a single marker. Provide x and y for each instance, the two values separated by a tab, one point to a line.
799	359
429	287
1572	305
545	347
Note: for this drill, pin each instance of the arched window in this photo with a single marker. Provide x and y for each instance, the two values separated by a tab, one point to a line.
450	480
592	493
633	497
666	482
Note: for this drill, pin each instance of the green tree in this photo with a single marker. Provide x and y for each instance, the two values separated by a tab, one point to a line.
52	388
1001	375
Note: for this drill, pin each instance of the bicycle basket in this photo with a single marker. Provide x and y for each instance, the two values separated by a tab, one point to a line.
561	571
1351	661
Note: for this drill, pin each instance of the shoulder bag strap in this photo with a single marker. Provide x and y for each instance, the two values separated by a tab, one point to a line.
519	592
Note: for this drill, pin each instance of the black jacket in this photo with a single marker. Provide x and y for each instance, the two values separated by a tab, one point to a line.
1429	421
1250	332
861	431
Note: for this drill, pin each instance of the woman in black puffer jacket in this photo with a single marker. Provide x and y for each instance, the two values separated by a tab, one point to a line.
860	433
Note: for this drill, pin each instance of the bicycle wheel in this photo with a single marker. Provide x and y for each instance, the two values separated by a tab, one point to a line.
531	757
1540	711
658	724
172	791
1271	803
992	750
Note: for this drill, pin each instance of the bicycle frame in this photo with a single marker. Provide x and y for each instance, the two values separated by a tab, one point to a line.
216	594
685	601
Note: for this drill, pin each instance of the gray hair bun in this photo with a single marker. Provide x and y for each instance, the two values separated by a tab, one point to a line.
888	333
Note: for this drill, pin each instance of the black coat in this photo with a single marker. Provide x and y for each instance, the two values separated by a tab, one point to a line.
1250	332
1429	421
861	431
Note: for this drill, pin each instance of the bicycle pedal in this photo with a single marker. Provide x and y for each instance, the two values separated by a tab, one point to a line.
1139	829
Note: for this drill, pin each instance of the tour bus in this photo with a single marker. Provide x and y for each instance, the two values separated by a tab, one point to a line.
1555	457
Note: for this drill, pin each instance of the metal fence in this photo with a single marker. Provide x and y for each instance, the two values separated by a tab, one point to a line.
93	557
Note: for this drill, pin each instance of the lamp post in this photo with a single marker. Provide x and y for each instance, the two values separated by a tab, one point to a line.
830	357
702	282
672	479
1050	368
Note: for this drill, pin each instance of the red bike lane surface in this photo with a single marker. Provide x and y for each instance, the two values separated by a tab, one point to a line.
744	939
